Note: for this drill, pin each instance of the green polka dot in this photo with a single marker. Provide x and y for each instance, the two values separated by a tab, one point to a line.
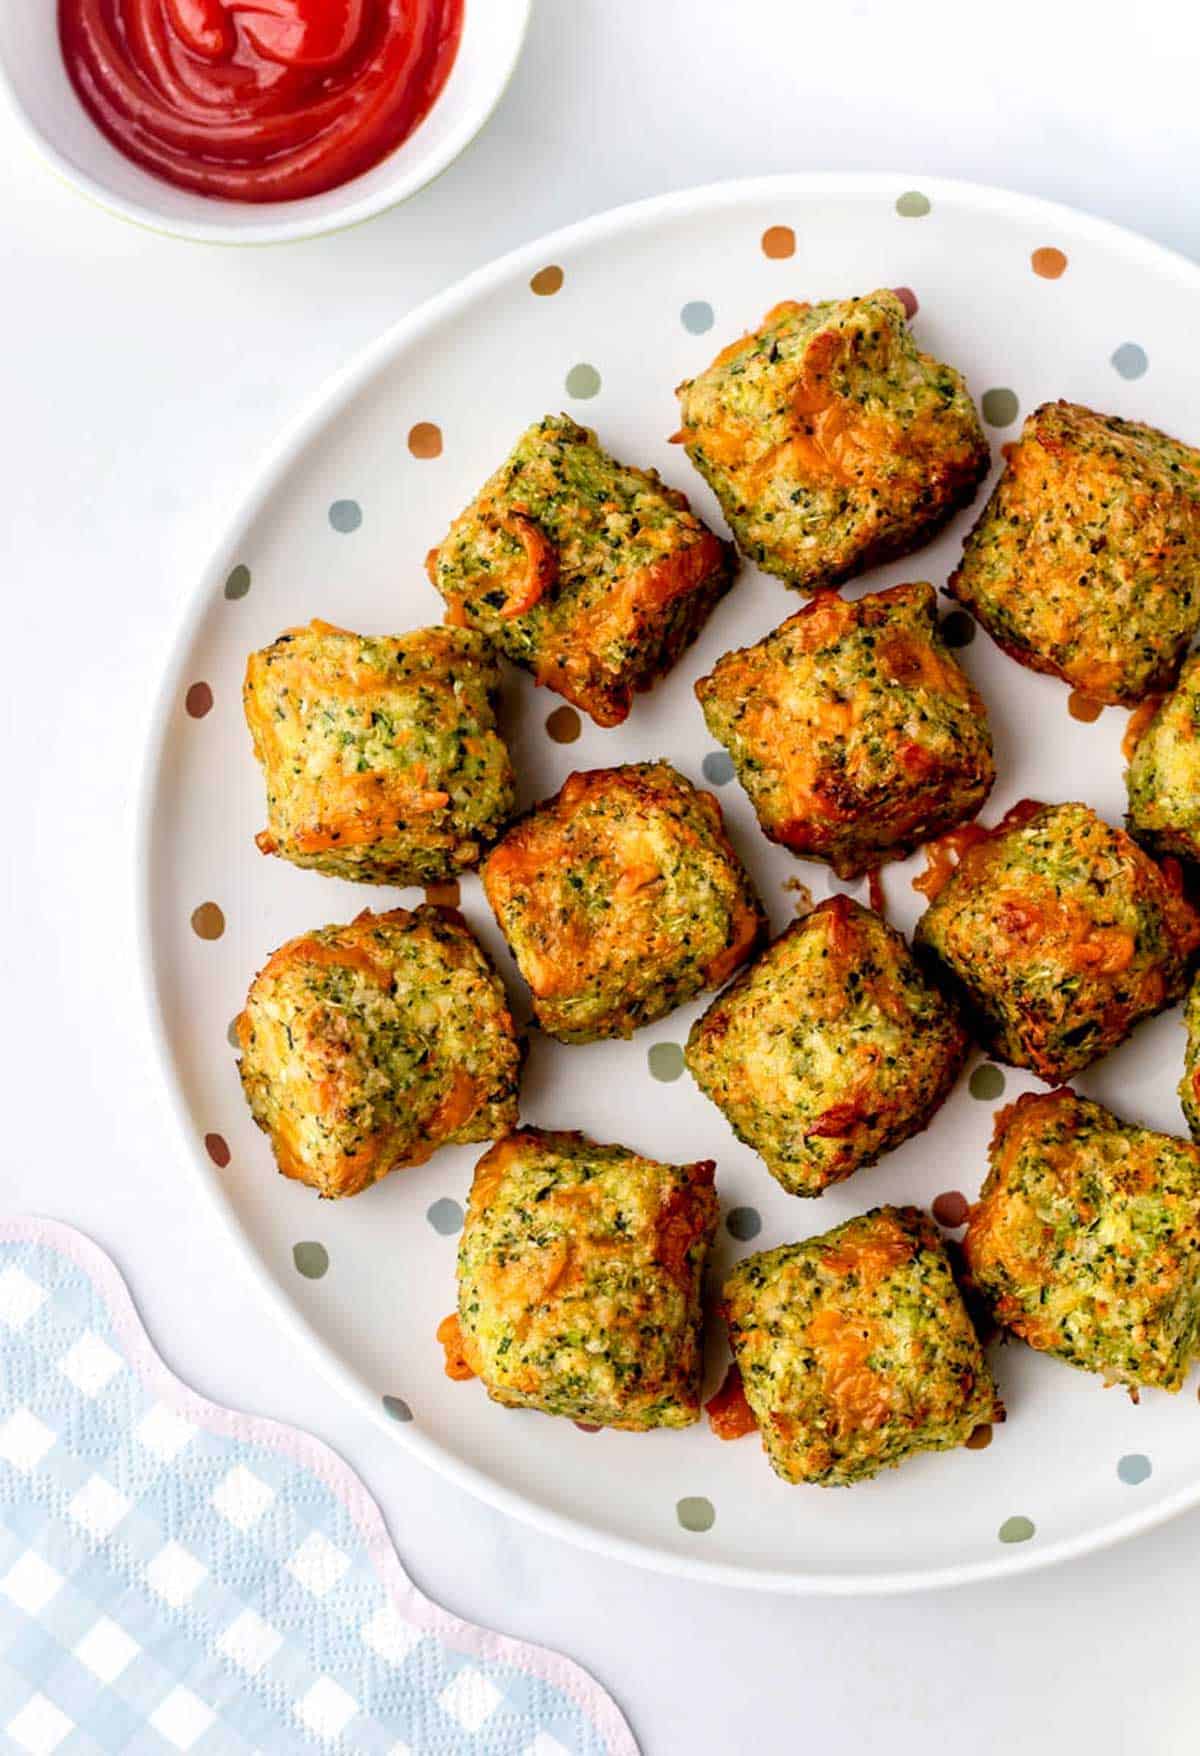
1016	1530
912	205
238	583
583	380
986	1083
1133	1468
999	407
717	768
312	1260
231	1035
743	1223
695	1512
665	1061
397	1408
958	629
345	516
1130	360
697	316
445	1216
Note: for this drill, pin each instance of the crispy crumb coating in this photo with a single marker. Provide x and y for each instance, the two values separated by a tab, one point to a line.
579	1277
621	898
831	441
1163	778
1085	562
381	755
852	728
1085	1240
1189	1085
590	573
830	1050
856	1350
1061	934
368	1046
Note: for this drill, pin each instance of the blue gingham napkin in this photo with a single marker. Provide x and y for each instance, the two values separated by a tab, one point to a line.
176	1576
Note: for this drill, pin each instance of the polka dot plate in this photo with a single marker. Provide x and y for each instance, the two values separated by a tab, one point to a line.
602	320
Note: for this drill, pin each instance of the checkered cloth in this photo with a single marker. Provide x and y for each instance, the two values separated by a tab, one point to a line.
175	1576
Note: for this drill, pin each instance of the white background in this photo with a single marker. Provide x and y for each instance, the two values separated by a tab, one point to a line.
142	379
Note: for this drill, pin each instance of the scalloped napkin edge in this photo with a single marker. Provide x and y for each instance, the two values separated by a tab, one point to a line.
302	1448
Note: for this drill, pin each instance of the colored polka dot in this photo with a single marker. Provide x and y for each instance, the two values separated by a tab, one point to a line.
345	516
563	725
665	1061
585	1427
446	895
425	439
1133	1468
999	407
1048	262
912	204
1130	360
695	1512
198	700
238	583
583	380
717	768
958	629
778	242
1016	1530
986	1083
312	1260
546	281
743	1223
952	1208
696	316
217	1148
397	1408
445	1216
980	1438
909	300
1084	707
207	921
231	1035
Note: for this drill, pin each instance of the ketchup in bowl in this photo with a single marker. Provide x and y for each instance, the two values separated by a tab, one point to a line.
258	100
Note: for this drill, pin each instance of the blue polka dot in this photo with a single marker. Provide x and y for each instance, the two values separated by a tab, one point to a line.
697	316
345	516
446	1217
743	1223
1130	360
717	768
1133	1468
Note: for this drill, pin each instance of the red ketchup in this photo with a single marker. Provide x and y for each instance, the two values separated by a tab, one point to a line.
258	100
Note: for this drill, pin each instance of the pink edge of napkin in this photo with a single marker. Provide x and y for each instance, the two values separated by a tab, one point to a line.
338	1477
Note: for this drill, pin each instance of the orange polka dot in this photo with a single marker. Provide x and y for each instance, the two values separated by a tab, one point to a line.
779	241
563	725
546	281
207	921
980	1439
1048	262
425	439
952	1208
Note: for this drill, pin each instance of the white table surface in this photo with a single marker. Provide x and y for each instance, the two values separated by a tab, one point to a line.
142	380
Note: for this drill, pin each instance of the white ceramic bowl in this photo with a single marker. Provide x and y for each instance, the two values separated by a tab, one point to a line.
34	80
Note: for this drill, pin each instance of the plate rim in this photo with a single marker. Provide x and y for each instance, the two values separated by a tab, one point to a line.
330	398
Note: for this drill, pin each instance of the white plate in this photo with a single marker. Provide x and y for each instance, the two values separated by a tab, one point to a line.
480	362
